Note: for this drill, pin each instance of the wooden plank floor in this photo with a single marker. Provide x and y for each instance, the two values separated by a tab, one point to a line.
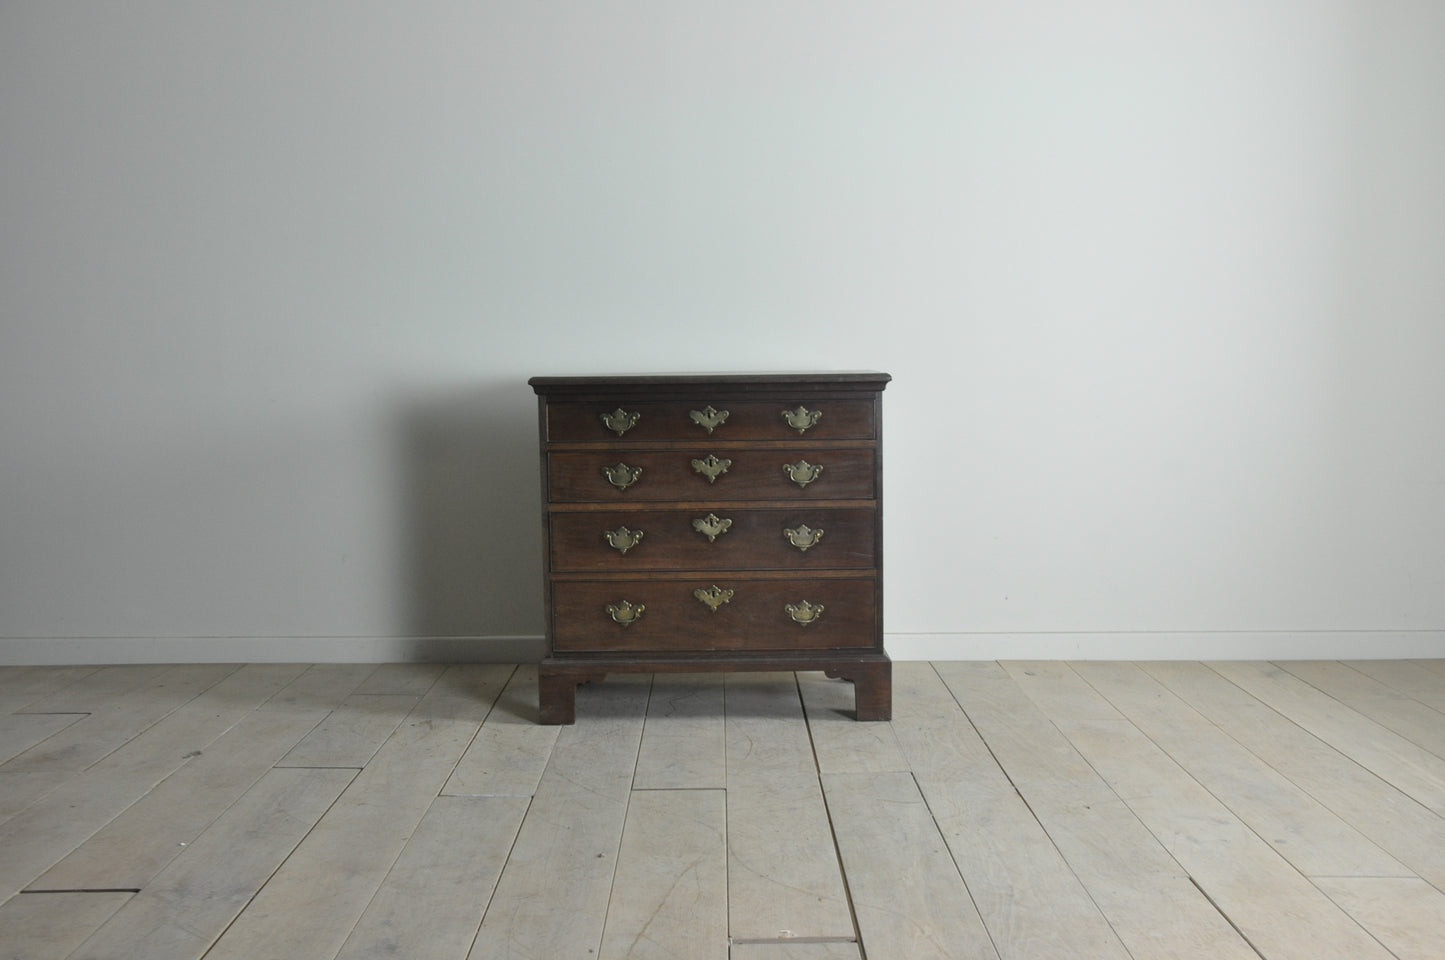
1009	811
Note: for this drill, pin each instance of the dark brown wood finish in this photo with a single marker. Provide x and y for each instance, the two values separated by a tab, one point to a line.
651	566
749	473
755	538
750	420
753	618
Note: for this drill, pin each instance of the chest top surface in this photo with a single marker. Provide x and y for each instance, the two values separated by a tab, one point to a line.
737	383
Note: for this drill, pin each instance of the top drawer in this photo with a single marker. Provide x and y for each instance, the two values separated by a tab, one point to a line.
710	419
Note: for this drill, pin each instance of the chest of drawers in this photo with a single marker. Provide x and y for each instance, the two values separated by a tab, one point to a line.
722	522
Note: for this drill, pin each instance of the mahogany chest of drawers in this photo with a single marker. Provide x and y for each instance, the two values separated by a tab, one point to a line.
722	522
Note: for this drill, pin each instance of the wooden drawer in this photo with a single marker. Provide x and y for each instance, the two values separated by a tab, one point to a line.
741	539
673	619
753	474
581	421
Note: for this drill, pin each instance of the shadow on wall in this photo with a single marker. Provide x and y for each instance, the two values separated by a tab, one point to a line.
471	545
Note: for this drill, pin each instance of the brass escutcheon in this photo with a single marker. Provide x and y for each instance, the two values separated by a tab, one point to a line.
623	539
712	526
803	473
708	418
619	421
714	596
625	612
802	418
804	612
712	467
802	536
622	476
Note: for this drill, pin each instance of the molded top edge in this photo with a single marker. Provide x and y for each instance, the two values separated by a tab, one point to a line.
855	379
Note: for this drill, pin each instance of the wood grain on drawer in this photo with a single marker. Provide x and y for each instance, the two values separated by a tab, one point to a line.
754	618
741	539
752	474
573	422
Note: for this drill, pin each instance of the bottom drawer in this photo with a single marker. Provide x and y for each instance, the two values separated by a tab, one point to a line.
701	615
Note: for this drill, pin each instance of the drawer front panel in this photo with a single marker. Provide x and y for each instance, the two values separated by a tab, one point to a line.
579	422
842	614
846	474
713	538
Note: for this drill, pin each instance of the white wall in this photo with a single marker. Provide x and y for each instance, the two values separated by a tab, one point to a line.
1162	288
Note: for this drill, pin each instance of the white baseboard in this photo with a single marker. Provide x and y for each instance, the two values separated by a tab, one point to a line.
73	650
1216	645
1222	645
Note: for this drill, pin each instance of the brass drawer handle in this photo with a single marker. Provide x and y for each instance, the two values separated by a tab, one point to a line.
712	526
622	476
803	473
804	612
712	467
619	421
803	536
802	418
708	418
623	539
625	612
714	596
